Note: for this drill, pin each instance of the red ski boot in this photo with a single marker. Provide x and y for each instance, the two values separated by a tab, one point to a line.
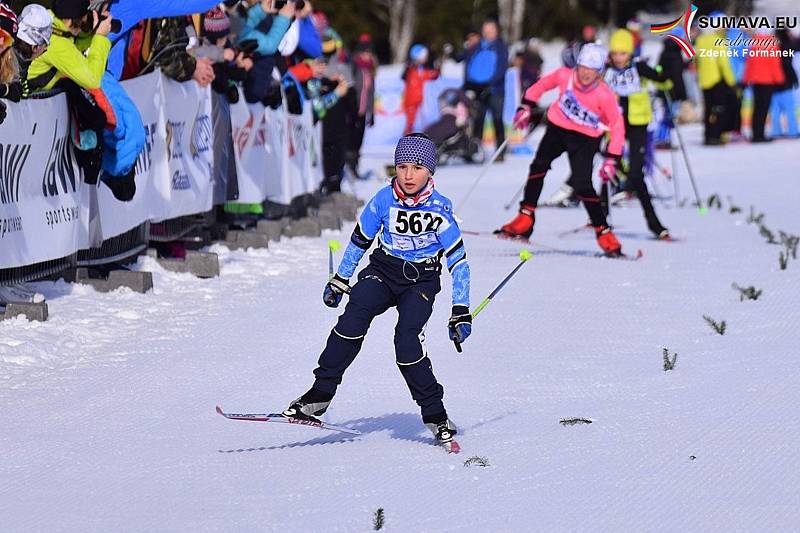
521	227
608	241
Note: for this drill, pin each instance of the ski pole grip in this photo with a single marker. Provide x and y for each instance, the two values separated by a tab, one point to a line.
458	346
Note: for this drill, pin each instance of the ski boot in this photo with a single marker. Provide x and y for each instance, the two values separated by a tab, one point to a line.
664	235
521	227
311	404
563	197
608	241
443	432
654	225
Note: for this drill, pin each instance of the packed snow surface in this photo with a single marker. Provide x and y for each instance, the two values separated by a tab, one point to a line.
108	419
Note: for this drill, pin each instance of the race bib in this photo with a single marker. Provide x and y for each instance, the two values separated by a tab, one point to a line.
624	82
574	111
415	230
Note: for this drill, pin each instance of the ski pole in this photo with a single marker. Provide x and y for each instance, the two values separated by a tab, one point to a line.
333	246
700	207
483	173
524	255
514	199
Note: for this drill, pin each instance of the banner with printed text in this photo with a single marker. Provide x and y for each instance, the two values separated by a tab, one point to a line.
43	212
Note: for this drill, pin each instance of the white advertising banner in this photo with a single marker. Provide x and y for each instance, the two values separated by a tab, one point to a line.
189	141
248	125
305	167
153	183
276	167
43	215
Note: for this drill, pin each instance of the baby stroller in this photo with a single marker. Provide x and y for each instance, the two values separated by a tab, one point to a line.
452	133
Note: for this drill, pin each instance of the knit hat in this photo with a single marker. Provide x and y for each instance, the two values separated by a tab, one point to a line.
593	56
417	149
35	25
8	20
331	42
621	41
70	9
418	53
216	24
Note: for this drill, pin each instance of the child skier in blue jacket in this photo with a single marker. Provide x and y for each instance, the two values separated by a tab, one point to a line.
415	227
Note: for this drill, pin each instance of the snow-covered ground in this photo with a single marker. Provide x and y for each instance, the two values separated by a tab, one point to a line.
108	419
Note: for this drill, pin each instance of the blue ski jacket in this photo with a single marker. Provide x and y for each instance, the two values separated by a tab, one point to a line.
414	234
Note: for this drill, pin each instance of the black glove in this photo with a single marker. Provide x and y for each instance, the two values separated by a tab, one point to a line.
334	290
459	326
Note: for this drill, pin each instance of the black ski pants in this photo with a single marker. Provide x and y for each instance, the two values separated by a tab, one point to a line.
580	150
762	97
637	139
388	282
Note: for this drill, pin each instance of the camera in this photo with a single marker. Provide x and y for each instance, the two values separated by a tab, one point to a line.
298	4
98	6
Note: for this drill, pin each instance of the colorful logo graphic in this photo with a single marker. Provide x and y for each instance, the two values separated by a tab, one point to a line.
683	41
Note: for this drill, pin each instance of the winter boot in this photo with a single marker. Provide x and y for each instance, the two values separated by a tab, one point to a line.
608	241
563	197
522	225
312	403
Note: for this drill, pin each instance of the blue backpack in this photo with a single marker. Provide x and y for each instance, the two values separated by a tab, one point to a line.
481	66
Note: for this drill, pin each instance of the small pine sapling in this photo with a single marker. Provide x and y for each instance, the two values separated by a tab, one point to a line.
669	363
378	519
749	293
719	327
783	260
574	421
477	460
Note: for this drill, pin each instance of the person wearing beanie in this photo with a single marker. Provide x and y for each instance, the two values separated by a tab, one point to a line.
416	228
229	65
415	75
628	78
33	38
73	55
584	112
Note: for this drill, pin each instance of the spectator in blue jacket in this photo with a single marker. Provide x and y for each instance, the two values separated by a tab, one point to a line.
266	27
485	75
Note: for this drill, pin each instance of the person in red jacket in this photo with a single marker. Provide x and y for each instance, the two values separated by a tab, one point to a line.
764	72
585	110
415	76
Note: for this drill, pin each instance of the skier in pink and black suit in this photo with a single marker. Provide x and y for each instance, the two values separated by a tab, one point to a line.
585	110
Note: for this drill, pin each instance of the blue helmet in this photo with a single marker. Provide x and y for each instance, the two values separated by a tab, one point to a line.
416	149
417	51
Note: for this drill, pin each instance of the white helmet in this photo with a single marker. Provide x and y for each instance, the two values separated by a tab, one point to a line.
593	56
35	25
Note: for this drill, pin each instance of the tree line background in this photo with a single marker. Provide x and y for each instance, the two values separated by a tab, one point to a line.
396	24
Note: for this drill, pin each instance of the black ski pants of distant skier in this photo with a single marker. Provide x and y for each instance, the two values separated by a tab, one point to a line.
411	288
637	147
580	149
762	98
717	117
492	102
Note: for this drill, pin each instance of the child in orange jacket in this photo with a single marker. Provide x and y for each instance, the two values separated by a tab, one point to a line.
415	75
